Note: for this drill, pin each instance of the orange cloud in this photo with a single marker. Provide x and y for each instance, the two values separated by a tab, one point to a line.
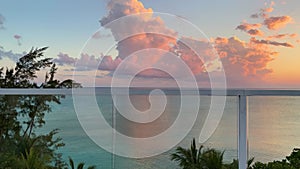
267	42
275	23
264	11
269	9
247	26
281	36
244	60
251	29
255	32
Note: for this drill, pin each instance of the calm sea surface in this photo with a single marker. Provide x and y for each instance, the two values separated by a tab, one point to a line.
274	130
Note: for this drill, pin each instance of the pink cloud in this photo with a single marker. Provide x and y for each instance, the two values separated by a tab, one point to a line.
119	8
88	62
244	62
18	38
141	31
194	53
64	59
108	63
143	27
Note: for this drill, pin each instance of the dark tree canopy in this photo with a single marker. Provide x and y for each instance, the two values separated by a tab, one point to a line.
193	158
20	146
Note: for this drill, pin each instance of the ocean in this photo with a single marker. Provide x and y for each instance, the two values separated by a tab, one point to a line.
274	130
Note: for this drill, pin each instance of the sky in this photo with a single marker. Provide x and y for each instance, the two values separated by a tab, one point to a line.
255	42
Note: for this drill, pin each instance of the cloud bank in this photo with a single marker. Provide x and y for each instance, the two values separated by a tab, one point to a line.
10	54
244	61
87	62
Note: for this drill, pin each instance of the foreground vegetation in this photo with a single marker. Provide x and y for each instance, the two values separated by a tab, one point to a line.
20	116
200	158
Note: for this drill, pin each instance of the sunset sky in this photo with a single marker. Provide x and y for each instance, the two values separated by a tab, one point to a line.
257	41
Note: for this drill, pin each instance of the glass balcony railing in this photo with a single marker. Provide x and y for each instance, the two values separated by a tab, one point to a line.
268	131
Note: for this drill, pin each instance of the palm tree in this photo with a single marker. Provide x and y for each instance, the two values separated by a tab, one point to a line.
212	159
33	160
188	158
235	164
193	158
79	166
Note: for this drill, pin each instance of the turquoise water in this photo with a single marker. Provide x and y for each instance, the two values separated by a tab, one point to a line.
274	125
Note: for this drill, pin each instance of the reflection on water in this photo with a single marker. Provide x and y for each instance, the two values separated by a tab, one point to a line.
274	125
144	130
155	128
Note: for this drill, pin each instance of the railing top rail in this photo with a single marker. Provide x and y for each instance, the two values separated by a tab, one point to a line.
143	91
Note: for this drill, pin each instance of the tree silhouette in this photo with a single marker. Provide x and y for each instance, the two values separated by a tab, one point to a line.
20	146
188	158
194	158
212	159
294	158
235	164
79	166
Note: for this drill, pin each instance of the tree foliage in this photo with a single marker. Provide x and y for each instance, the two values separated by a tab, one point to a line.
193	158
20	116
79	166
188	158
291	162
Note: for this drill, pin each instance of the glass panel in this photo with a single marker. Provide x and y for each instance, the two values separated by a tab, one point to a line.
82	148
274	125
226	136
223	139
78	144
62	116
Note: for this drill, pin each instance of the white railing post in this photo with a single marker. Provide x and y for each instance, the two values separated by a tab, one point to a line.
242	131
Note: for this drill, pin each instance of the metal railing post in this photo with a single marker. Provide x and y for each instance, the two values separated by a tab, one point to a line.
242	131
